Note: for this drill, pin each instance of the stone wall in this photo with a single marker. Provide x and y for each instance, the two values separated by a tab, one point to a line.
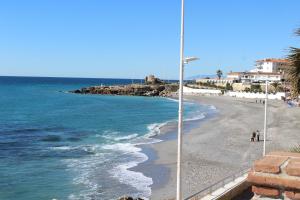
243	86
240	86
277	175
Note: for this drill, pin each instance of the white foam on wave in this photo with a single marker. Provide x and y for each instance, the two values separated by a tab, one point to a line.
61	148
154	129
124	147
212	107
108	135
86	148
196	117
171	99
186	101
128	137
84	170
123	173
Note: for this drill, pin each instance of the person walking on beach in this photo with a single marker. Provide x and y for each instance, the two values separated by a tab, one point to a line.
257	135
253	136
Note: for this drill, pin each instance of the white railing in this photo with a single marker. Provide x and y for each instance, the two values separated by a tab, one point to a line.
252	95
217	185
188	90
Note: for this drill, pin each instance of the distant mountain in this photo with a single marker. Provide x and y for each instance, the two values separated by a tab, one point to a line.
200	76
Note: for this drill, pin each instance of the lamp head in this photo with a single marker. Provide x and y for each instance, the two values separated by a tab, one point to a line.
189	59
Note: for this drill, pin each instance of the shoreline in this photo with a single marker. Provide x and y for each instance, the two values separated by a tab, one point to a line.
168	132
220	144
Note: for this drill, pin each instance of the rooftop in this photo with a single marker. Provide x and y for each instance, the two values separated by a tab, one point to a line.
274	60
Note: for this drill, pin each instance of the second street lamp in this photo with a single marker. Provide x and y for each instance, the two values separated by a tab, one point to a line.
180	104
183	61
265	119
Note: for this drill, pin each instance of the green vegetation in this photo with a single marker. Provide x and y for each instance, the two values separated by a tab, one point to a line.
255	88
211	85
247	89
219	73
294	68
295	149
228	86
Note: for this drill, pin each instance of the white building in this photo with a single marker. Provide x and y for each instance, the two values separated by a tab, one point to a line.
234	75
270	69
270	65
256	77
217	81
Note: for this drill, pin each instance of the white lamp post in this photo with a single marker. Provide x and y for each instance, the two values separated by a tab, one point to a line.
180	123
265	121
180	106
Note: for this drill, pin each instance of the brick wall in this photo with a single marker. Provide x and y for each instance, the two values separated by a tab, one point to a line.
277	175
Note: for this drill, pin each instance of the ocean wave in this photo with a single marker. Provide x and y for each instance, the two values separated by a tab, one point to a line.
154	129
196	117
128	137
90	149
62	148
123	173
185	101
109	135
84	171
124	153
123	147
171	99
212	107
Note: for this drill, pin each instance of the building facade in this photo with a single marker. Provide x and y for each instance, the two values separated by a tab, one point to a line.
270	65
270	69
257	77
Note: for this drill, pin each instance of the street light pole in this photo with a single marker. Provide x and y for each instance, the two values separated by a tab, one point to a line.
265	121
180	106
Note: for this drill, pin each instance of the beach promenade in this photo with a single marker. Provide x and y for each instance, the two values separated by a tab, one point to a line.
221	145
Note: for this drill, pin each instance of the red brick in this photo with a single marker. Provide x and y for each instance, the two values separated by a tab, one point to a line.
267	192
269	164
274	181
254	178
292	195
293	167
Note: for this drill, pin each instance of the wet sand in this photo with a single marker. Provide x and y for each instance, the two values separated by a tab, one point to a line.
221	145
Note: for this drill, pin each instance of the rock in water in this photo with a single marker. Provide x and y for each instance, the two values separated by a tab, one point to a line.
129	198
163	89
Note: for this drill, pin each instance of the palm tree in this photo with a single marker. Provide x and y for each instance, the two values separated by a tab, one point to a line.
275	85
294	69
219	73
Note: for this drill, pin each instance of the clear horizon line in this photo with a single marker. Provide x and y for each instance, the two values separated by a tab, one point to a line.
33	76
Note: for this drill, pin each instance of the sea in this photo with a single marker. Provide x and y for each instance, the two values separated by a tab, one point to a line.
58	145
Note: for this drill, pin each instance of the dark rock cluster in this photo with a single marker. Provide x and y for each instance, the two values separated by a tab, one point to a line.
129	198
164	90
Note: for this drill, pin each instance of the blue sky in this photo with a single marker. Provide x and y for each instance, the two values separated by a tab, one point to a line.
133	38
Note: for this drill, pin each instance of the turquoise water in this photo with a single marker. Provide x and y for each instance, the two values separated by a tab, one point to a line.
58	145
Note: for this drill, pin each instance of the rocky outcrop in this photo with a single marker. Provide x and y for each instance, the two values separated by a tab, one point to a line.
129	198
164	90
151	80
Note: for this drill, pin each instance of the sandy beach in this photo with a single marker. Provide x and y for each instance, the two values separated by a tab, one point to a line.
221	145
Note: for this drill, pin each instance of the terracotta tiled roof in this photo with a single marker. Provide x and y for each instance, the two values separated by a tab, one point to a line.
273	60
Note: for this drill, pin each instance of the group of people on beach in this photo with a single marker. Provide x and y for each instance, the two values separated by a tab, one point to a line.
260	101
256	135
